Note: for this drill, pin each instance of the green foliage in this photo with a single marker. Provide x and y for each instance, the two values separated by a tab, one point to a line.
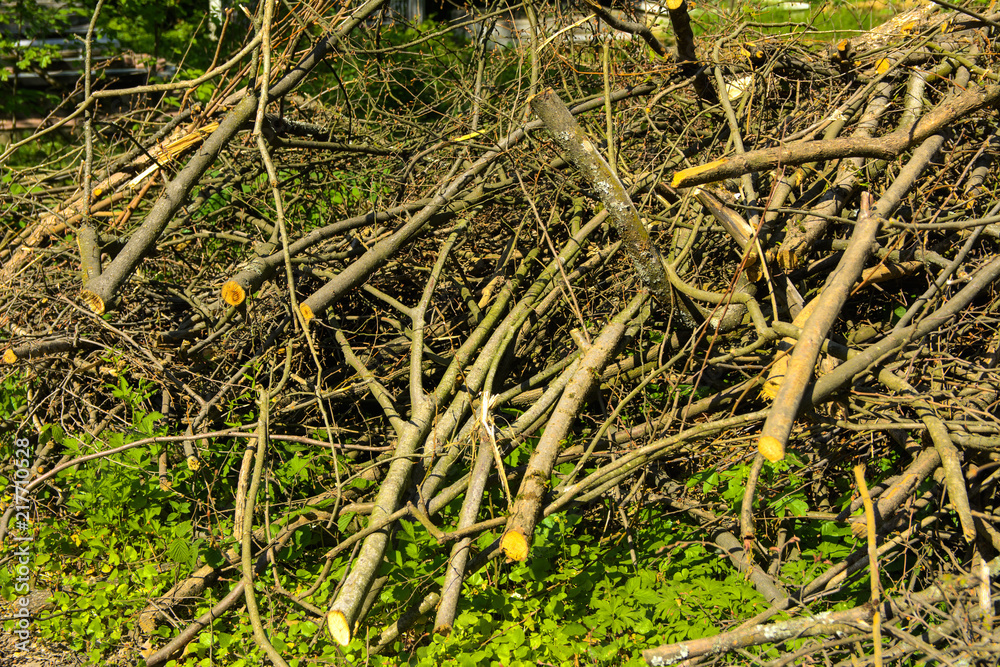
834	19
119	539
28	22
53	151
102	558
397	86
783	496
580	599
13	394
586	596
161	28
153	29
422	75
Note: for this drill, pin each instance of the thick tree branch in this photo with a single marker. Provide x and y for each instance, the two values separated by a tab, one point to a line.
887	147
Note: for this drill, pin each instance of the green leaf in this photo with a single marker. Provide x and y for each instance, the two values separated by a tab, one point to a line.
798	507
646	596
179	551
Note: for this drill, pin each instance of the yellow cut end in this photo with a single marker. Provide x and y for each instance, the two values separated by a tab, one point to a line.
94	302
883	66
789	259
9	357
147	622
339	628
686	174
232	293
307	312
771	387
674	4
466	137
515	546
771	448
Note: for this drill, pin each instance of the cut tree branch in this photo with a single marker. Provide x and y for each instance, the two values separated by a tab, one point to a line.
886	148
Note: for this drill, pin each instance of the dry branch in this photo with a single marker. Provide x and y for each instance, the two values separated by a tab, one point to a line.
90	253
800	367
888	346
631	27
469	318
887	147
851	621
524	514
583	154
951	458
801	238
359	271
25	351
98	294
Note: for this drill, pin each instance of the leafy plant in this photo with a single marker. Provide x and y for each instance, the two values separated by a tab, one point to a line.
581	599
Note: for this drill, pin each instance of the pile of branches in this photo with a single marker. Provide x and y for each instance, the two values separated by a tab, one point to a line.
431	263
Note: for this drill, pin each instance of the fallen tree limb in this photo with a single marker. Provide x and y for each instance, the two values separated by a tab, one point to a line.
852	621
516	541
886	147
803	360
583	154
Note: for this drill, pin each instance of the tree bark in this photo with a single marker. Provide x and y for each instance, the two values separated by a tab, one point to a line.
516	541
573	141
887	147
800	367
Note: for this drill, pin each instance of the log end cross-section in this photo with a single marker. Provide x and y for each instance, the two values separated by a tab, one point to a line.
771	448
339	628
233	293
515	545
93	301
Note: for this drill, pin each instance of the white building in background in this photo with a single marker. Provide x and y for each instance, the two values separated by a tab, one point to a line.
214	18
408	10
